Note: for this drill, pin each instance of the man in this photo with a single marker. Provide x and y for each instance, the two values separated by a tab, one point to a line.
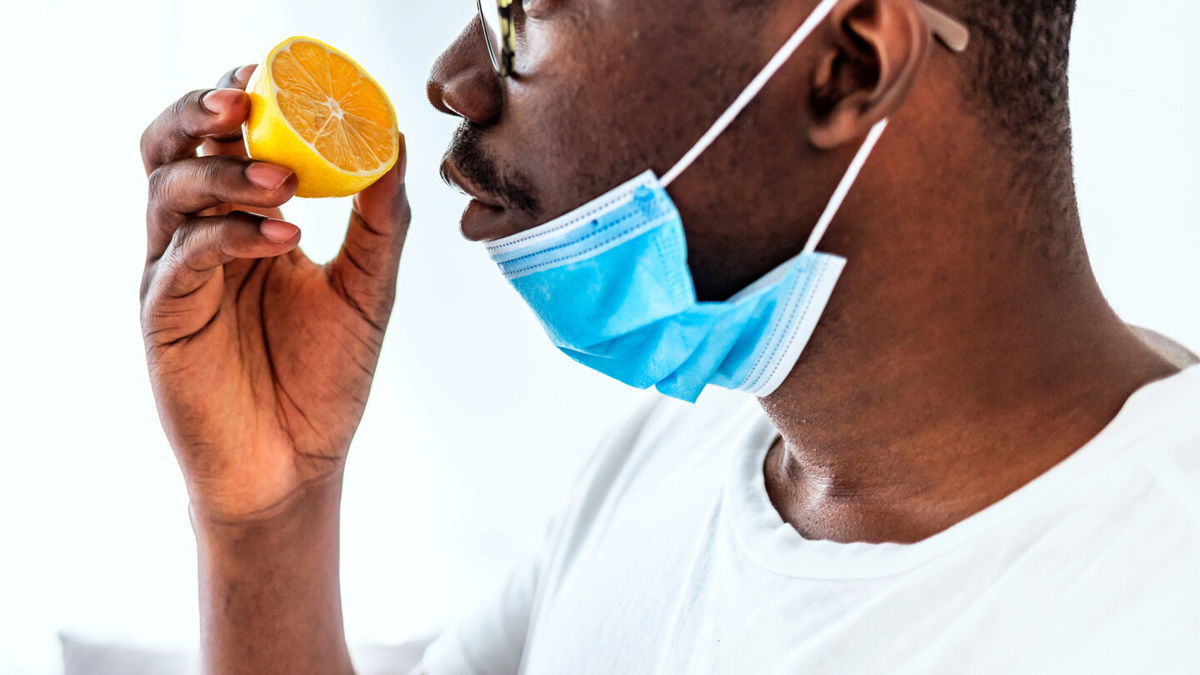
969	464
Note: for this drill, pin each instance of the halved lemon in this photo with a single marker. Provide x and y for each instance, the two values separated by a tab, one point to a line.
317	112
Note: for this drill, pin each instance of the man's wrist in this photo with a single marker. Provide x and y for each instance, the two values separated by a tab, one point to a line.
268	583
313	501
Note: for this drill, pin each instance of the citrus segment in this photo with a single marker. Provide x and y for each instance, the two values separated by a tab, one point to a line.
317	112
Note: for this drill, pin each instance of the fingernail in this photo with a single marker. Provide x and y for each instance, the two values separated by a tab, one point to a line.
267	176
218	101
277	231
243	74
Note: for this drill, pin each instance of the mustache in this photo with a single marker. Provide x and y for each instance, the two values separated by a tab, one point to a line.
506	184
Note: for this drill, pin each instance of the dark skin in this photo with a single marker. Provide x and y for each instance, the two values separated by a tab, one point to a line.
966	350
261	362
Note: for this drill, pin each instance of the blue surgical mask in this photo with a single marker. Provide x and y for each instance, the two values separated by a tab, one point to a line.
611	285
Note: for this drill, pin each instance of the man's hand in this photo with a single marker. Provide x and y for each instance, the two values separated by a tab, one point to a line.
261	362
260	359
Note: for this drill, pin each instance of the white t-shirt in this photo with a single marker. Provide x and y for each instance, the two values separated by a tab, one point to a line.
672	560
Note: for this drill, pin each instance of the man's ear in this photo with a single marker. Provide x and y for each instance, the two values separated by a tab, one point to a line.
879	48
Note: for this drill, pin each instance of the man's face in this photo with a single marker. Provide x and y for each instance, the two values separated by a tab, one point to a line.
603	90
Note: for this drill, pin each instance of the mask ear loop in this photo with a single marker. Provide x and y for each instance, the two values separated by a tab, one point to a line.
843	188
818	15
752	90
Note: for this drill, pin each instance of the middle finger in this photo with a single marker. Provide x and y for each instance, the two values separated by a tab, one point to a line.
190	186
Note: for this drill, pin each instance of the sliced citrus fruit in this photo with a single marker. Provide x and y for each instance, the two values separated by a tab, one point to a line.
317	112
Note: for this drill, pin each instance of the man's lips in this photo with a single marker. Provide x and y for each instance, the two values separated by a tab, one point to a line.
456	179
485	218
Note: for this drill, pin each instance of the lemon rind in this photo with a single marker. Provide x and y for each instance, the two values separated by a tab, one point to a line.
266	71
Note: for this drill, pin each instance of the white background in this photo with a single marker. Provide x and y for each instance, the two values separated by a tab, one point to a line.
475	422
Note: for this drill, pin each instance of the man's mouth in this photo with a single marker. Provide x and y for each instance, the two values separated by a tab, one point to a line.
455	179
484	219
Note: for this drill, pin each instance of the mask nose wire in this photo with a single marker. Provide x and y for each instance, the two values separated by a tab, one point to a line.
752	90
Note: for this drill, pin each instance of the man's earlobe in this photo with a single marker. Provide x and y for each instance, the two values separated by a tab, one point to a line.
879	48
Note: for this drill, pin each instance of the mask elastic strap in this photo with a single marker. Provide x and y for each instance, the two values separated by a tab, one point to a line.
843	188
752	90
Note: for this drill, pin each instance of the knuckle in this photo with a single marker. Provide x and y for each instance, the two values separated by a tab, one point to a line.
212	172
169	267
155	139
404	213
179	108
182	239
190	101
184	110
157	183
217	175
196	245
189	184
167	187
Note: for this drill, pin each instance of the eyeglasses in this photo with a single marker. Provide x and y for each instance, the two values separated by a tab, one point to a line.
495	18
498	33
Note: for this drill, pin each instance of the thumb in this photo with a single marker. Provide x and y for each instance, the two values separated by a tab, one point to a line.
364	270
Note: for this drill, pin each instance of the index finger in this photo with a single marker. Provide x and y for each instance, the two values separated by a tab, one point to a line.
183	126
232	144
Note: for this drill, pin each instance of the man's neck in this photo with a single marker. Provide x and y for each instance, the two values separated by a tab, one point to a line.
925	398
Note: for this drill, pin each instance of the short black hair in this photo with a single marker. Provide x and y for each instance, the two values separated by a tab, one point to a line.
1020	52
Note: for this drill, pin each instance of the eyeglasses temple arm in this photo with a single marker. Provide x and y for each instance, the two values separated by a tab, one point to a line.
951	32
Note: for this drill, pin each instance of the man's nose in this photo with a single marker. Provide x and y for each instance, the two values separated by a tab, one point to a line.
463	82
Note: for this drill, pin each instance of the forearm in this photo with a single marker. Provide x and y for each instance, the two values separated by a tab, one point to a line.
270	600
